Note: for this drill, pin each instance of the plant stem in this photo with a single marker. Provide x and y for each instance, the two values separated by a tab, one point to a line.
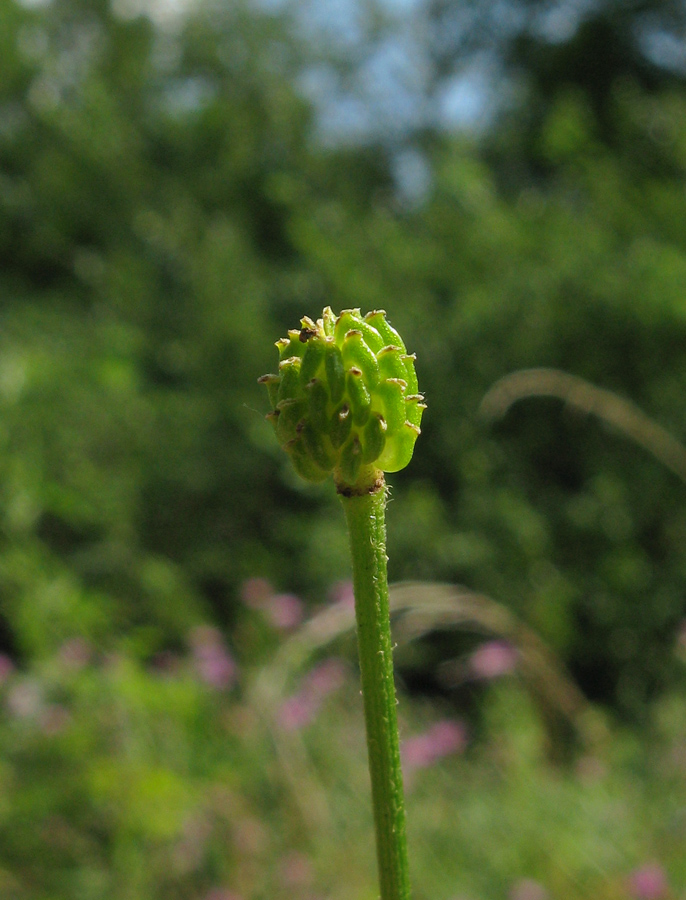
365	517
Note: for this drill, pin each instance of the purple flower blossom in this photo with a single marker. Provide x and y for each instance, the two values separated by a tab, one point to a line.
213	662
528	889
300	708
493	659
295	712
325	678
648	883
443	738
284	611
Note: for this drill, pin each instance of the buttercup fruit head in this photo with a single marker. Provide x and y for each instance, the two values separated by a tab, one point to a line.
345	399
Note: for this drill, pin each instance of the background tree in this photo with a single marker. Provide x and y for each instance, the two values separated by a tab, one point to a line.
165	188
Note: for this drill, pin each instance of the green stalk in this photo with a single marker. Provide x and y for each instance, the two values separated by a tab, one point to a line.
345	402
366	524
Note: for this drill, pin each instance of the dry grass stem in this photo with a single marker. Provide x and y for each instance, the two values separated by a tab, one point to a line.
420	608
587	398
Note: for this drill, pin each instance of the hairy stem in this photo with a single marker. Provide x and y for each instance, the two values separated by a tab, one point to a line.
366	525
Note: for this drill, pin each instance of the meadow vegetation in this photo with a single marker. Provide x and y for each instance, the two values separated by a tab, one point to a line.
179	711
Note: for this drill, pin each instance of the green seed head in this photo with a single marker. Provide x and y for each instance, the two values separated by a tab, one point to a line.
345	399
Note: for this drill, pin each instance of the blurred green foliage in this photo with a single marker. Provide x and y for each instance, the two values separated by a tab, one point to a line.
167	209
169	205
119	780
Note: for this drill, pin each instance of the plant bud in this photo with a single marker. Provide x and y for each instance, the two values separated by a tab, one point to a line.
345	398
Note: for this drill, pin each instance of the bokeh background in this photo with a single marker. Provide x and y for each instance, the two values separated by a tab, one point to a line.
179	704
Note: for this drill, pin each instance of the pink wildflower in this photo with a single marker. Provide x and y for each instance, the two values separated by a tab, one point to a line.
493	659
648	883
295	712
213	662
447	737
443	738
325	678
300	708
284	611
